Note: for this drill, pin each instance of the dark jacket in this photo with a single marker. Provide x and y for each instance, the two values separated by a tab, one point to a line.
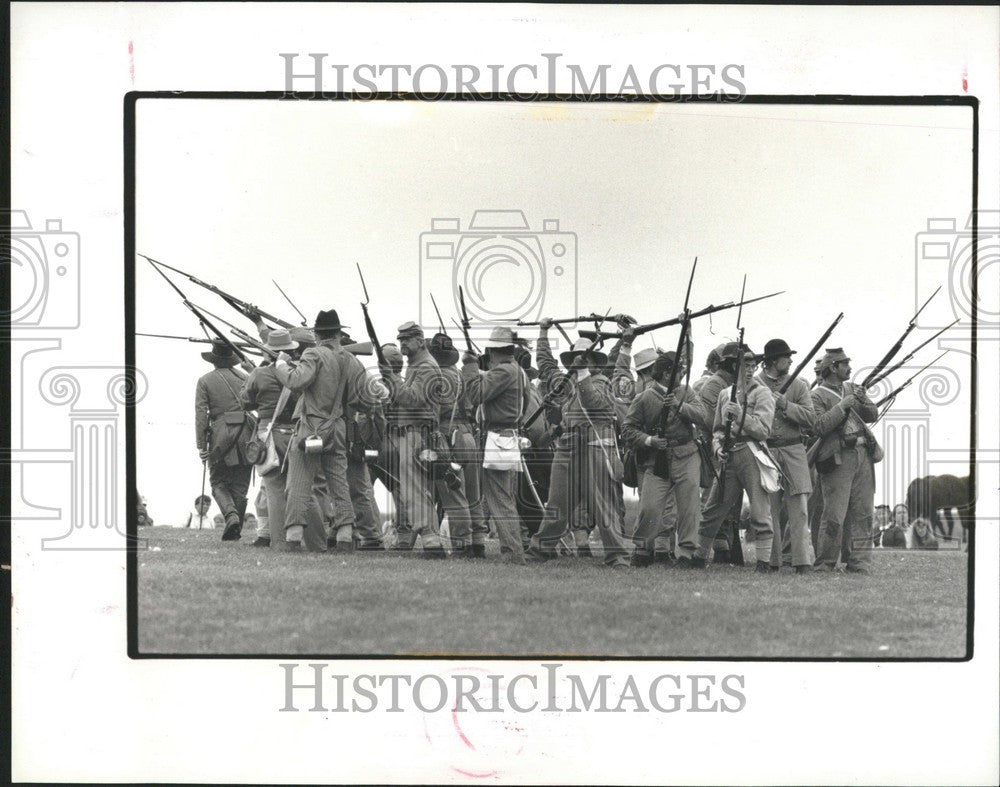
220	422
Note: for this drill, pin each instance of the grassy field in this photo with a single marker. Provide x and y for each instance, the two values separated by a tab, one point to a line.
199	595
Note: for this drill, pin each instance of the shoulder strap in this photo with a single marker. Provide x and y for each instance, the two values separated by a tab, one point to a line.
230	387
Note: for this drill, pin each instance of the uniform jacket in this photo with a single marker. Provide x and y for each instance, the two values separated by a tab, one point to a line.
502	391
415	396
592	400
218	410
321	377
452	400
643	418
709	392
833	424
797	418
261	392
759	406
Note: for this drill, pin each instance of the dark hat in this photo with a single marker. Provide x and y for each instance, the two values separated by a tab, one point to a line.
523	358
442	349
221	354
729	351
410	330
775	348
303	336
715	355
833	355
328	321
581	347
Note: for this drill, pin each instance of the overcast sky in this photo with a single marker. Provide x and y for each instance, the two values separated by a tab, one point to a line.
822	202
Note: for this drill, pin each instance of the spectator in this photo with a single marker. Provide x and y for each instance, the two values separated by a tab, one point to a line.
144	519
219	521
198	518
895	536
880	521
923	535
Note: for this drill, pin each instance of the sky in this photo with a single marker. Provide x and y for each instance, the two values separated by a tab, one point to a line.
829	204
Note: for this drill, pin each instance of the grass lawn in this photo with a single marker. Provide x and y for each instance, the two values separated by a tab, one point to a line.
201	596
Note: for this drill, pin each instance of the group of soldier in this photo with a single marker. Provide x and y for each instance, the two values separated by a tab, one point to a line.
542	452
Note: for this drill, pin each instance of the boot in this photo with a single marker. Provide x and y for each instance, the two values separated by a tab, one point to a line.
434	553
763	567
640	560
233	530
477	551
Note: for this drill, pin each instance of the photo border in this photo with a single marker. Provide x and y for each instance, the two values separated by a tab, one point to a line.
131	492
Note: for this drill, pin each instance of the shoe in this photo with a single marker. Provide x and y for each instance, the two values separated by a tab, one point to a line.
232	532
537	556
823	568
763	567
434	553
293	546
803	569
477	551
639	560
341	546
721	556
683	562
331	542
857	570
695	562
584	551
369	546
262	542
621	567
774	569
666	558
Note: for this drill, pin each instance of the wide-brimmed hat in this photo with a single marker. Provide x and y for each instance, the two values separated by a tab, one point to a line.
645	358
409	330
221	354
303	336
580	347
715	355
501	337
775	348
280	339
442	349
328	321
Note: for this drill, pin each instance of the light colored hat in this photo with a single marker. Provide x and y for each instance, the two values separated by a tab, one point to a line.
410	330
280	339
501	337
581	346
645	358
303	336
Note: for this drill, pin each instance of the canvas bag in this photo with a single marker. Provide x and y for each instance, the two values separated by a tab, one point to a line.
502	450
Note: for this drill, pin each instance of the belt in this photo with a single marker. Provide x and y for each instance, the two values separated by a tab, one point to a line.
784	442
679	443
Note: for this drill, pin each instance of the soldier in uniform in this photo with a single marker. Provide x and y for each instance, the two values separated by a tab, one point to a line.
413	420
676	474
712	364
502	392
317	454
261	392
845	461
751	416
222	432
793	419
586	468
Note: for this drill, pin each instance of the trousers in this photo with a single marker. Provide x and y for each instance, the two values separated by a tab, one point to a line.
467	454
682	491
795	531
415	486
308	476
230	484
848	505
366	515
742	474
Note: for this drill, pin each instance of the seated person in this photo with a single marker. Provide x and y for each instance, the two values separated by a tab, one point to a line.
923	534
198	519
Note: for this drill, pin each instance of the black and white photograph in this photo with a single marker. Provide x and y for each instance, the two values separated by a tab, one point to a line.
608	378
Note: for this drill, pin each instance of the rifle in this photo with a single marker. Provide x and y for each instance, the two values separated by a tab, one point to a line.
465	321
244	308
727	437
811	355
641	329
592	317
204	321
661	463
893	394
896	347
911	354
290	303
246	337
438	312
368	323
474	345
248	347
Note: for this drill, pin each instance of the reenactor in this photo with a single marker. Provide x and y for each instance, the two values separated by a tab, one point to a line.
793	419
660	426
749	420
502	393
845	459
222	432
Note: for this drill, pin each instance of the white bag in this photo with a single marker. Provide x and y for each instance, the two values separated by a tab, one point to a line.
770	475
502	451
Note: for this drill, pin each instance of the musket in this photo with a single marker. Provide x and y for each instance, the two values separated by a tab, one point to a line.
474	345
438	312
248	347
204	321
240	334
661	462
290	303
896	347
727	437
368	323
465	320
592	317
246	309
910	355
641	329
811	355
893	394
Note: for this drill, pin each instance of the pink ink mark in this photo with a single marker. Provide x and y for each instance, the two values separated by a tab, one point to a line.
131	63
965	79
458	729
474	775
